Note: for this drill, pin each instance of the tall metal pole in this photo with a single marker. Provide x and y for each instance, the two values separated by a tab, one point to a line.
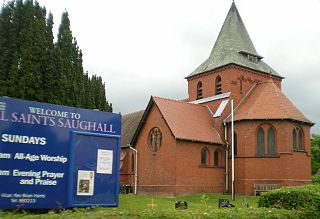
232	152
227	158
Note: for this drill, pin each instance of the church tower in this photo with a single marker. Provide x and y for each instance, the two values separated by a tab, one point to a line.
233	66
271	136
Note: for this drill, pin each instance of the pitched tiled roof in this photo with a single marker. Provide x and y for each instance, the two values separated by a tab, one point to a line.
233	46
129	125
188	121
266	101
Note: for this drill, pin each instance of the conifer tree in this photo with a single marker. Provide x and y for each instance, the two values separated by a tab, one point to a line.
32	51
64	49
50	76
33	67
8	49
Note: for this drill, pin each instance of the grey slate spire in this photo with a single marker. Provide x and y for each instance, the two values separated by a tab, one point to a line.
234	46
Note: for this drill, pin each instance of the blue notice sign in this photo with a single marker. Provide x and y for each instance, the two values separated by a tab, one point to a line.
55	156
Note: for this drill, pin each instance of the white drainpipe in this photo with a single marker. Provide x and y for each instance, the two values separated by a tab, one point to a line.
136	171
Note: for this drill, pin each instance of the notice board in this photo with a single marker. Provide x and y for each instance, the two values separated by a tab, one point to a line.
55	156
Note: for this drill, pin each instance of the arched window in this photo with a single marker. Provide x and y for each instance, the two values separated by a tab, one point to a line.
271	142
204	156
300	145
235	142
216	158
297	139
294	139
260	142
218	85
199	90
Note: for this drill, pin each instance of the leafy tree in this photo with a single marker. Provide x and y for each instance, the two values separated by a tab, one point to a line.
315	153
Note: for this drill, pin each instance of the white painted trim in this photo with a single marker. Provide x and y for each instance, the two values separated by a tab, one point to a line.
212	98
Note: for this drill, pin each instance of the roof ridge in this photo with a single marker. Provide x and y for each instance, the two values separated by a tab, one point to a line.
261	93
179	118
133	112
242	100
284	108
178	101
264	84
268	95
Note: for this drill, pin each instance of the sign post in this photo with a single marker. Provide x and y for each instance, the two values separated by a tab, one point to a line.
56	156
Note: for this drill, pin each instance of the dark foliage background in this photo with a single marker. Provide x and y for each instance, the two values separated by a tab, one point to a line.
315	153
34	67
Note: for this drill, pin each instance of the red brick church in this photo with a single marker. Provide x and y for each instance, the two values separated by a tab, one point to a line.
184	146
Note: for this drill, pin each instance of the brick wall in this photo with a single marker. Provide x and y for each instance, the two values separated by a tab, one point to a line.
176	167
127	170
191	176
156	172
288	167
231	76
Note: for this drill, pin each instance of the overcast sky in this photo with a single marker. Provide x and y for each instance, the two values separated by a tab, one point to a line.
147	47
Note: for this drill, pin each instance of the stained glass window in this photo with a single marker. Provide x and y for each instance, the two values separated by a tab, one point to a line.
216	158
260	142
204	156
294	139
300	140
235	141
271	142
155	140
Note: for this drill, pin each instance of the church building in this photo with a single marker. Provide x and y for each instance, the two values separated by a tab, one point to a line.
184	146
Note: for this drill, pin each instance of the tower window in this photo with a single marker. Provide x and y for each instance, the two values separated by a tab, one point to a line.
199	90
252	58
218	85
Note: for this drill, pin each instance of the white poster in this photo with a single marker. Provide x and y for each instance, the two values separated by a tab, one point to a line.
104	161
85	183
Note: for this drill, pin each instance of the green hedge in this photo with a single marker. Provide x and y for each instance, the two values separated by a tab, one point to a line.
299	197
316	179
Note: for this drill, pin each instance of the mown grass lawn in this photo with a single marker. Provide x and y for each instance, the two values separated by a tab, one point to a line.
148	206
197	201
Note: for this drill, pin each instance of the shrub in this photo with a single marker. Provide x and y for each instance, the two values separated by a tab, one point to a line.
316	179
306	198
